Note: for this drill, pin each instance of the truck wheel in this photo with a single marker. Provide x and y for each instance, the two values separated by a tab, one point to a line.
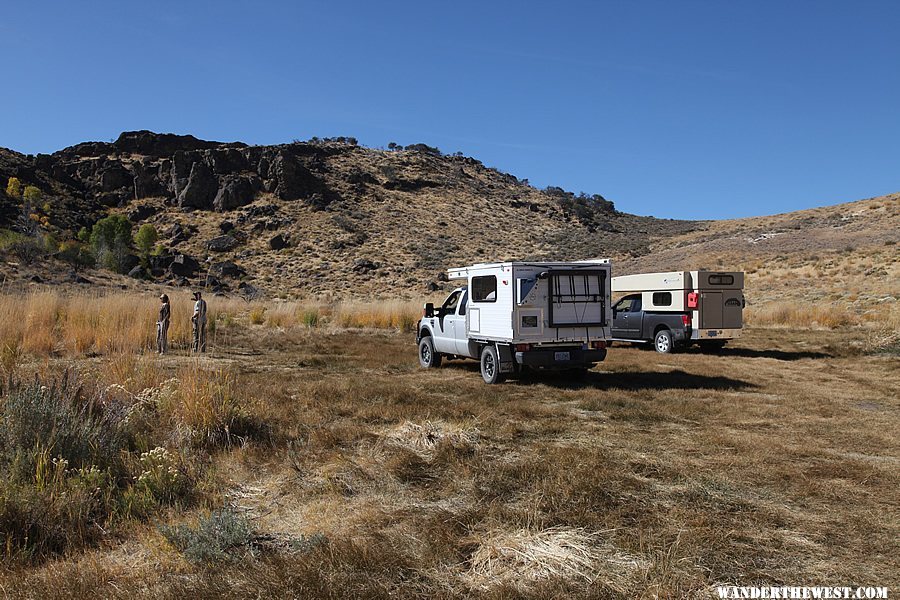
428	358
490	365
663	341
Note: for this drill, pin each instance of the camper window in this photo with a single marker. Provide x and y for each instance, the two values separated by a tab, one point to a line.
721	280
525	286
484	288
662	298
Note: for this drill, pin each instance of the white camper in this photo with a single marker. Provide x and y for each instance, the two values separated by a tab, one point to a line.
710	304
516	315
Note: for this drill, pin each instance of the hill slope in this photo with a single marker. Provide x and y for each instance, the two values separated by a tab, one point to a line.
323	216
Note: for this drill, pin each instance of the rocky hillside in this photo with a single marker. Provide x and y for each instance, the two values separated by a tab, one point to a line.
312	218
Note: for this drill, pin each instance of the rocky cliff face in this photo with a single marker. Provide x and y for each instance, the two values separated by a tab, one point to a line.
319	216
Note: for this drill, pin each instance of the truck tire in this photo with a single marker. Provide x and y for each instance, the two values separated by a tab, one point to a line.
428	358
490	366
663	342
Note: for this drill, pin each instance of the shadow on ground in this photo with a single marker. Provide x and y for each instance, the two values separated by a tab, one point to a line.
635	380
776	354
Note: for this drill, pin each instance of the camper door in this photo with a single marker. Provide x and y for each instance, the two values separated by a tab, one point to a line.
577	298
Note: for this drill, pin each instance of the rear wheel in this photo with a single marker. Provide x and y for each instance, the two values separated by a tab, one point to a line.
490	366
663	341
428	358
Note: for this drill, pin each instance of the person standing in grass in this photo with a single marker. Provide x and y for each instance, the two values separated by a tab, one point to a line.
162	325
198	323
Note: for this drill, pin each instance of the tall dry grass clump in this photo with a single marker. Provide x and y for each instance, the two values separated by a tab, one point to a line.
793	314
385	314
208	404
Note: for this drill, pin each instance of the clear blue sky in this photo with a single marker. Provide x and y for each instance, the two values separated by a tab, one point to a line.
675	109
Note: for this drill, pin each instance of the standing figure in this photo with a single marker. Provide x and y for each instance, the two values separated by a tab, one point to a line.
162	325
198	324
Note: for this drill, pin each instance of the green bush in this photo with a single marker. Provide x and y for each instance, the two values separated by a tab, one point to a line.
111	241
222	536
14	188
56	418
311	317
145	239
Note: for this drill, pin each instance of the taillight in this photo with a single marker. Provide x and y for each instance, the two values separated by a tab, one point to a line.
693	299
598	345
523	347
686	320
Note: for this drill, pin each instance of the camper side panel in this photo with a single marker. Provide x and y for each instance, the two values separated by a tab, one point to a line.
491	301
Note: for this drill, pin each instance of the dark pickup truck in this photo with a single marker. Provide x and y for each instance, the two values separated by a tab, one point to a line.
666	330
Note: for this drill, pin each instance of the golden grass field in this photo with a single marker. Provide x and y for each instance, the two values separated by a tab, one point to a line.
344	470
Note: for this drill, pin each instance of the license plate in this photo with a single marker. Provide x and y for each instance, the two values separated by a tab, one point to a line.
713	333
560	356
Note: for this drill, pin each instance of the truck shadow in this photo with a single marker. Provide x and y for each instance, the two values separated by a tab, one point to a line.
776	354
633	381
640	380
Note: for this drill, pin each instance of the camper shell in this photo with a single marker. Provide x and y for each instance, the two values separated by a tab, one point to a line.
522	315
709	303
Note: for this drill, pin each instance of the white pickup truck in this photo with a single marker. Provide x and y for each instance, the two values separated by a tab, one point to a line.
515	316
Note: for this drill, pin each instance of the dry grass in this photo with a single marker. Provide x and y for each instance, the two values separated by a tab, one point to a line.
657	476
48	323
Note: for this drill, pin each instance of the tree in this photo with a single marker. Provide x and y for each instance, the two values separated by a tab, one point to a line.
144	240
14	188
111	240
32	195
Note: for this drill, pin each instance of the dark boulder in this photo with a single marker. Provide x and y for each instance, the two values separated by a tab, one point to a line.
226	269
183	265
115	178
248	291
295	181
235	191
223	243
178	233
141	212
228	160
432	286
278	242
147	182
226	226
137	272
362	265
200	189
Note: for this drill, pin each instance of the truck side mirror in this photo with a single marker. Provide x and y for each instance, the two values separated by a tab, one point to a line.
429	310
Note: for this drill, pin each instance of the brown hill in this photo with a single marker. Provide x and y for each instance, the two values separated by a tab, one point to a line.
325	216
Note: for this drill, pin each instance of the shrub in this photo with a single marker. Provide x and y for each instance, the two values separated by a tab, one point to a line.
145	239
258	315
57	419
207	405
14	188
311	317
76	254
111	241
31	195
222	536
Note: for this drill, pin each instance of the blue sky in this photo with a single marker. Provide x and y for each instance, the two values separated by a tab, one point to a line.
674	109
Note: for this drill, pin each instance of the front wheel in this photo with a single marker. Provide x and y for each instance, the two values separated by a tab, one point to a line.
490	366
428	358
663	341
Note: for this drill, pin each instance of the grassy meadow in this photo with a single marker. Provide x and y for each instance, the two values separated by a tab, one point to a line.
307	455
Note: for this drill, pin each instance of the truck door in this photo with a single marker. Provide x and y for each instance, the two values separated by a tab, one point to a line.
460	332
627	318
445	325
733	309
711	310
